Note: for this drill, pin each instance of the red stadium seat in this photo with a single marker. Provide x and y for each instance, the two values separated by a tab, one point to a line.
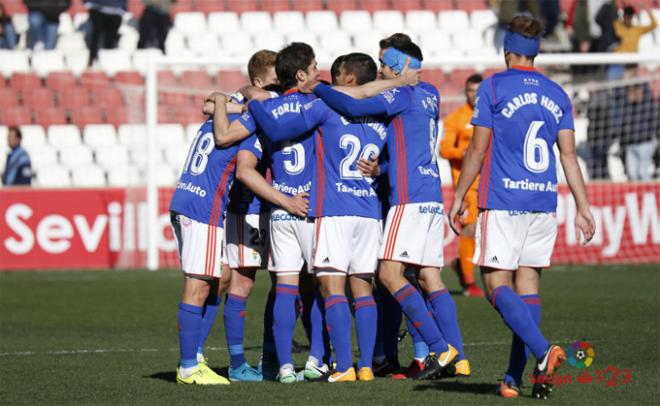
129	78
167	78
12	116
438	5
182	6
240	6
190	114
108	98
276	5
24	81
8	98
472	5
342	5
407	5
50	116
458	77
95	80
77	6
86	115
196	79
325	75
436	77
231	80
309	5
61	81
166	114
174	99
136	7
74	98
373	5
210	6
38	98
116	116
3	82
14	7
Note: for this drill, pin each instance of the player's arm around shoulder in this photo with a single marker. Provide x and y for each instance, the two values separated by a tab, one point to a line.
224	132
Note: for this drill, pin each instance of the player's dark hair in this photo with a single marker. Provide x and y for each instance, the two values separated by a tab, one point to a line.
362	66
527	26
292	58
394	40
409	48
17	131
274	87
260	62
334	69
474	78
629	11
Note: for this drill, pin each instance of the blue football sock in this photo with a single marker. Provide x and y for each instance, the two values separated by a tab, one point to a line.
338	318
419	346
234	317
516	315
519	353
189	321
211	309
305	301
366	324
269	341
389	323
415	309
444	311
284	321
319	347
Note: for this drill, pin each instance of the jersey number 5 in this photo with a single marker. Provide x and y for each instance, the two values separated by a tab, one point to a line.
533	144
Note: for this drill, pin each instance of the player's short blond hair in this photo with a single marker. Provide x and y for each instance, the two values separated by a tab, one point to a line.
260	62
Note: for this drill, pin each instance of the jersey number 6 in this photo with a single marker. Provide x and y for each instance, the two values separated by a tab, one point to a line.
533	144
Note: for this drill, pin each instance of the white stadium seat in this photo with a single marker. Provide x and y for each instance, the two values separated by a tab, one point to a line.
132	135
170	134
322	21
34	137
111	156
388	21
4	148
66	24
453	21
76	155
421	21
288	21
113	60
308	37
99	135
165	175
141	56
189	22
354	21
223	22
20	22
482	19
124	175
435	42
45	155
203	42
14	61
139	156
237	43
74	41
129	38
176	156
191	132
76	61
53	176
44	62
175	42
269	40
256	21
88	175
367	42
468	40
63	135
335	42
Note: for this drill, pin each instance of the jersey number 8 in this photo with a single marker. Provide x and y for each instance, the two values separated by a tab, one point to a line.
198	157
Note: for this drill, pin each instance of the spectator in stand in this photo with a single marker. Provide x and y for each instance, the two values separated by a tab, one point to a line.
105	17
629	36
636	126
155	23
599	133
7	31
506	10
605	13
18	170
44	19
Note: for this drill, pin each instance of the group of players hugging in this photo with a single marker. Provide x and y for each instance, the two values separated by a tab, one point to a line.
294	175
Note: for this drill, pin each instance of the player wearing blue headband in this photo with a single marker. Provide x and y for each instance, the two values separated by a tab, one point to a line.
519	116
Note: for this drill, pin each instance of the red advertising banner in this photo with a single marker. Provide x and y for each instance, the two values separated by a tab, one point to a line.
105	228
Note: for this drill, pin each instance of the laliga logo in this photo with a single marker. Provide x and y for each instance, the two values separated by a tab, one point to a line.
581	354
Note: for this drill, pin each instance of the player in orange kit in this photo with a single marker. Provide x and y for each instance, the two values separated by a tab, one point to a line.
457	136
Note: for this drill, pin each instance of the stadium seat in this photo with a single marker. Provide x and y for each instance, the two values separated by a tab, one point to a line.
110	156
66	24
95	80
191	131
74	155
129	78
166	114
355	21
174	98
71	42
237	43
38	98
421	21
19	19
132	135
170	134
114	60
108	98
45	155
474	5
61	81
322	21
256	21
189	22
183	6
124	175
388	21
50	116
166	175
288	21
34	137
22	81
9	98
210	6
367	42
117	116
374	5
176	156
63	136
74	98
196	79
470	41
482	19
438	5
185	115
175	42
140	58
76	61
12	116
139	156
224	22
99	136
434	76
435	42
274	6
409	5
309	6
241	6
14	61
337	43
308	37
44	62
128	41
269	40
453	21
53	176
205	43
339	6
86	115
88	175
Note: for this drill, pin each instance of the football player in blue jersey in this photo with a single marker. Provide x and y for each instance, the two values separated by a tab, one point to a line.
414	231
519	116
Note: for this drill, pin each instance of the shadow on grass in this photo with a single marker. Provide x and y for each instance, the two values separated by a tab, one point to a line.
459	386
170	376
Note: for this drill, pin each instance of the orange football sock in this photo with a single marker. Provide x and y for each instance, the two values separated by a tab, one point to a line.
465	254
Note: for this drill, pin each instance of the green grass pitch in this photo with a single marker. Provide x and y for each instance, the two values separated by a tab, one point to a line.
109	337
